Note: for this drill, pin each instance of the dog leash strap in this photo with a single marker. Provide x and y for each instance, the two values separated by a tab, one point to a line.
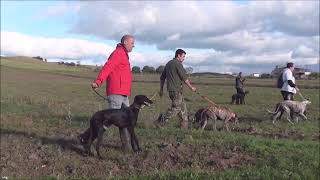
154	95
207	99
301	95
99	94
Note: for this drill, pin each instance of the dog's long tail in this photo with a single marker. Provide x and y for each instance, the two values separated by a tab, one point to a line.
276	110
271	112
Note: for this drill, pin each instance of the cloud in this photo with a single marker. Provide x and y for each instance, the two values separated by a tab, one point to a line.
89	52
218	36
266	32
156	22
13	43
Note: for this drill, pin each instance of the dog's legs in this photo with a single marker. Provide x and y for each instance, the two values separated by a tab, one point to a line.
233	100
226	125
273	119
241	100
294	117
99	140
281	113
204	123
303	116
215	122
88	146
237	100
125	138
276	116
288	114
134	140
277	113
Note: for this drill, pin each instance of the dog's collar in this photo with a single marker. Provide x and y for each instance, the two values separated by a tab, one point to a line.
135	107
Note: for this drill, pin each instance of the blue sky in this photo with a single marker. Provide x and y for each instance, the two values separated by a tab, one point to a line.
219	36
28	17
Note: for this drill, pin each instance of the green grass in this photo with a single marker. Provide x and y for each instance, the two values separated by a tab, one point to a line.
45	100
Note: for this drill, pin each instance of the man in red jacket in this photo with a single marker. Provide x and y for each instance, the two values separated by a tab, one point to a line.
117	73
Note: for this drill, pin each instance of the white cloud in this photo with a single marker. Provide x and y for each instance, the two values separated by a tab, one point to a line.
253	32
21	44
88	52
218	35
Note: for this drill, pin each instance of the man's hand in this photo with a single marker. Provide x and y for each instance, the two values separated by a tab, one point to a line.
297	88
193	89
161	93
94	85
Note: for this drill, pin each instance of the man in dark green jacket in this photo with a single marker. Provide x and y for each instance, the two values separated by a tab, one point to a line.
176	76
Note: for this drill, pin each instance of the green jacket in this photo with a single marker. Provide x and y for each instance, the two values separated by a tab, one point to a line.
175	75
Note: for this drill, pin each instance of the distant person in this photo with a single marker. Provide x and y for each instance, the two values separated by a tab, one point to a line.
117	73
289	88
175	75
240	83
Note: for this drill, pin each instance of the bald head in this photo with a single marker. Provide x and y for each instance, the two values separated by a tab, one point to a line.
128	42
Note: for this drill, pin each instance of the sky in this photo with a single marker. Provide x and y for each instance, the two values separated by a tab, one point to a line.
218	36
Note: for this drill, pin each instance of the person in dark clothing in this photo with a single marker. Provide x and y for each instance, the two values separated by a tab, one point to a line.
175	75
239	83
289	88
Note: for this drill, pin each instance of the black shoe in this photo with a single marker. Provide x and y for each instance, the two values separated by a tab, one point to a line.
161	121
160	118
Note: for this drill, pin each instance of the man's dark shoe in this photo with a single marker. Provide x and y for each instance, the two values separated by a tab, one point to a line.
160	117
160	122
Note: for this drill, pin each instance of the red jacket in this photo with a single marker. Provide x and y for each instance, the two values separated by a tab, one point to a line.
117	72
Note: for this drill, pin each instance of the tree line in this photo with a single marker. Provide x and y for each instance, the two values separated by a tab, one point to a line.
150	69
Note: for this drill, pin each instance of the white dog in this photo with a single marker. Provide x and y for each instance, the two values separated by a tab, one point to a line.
291	108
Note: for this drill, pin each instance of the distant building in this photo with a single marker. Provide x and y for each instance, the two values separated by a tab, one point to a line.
255	75
299	73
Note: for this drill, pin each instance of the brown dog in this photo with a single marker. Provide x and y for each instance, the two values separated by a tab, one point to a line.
215	113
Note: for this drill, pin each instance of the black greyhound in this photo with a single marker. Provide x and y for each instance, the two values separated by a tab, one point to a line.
126	117
239	98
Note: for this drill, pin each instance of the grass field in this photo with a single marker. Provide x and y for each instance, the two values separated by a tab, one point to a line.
44	106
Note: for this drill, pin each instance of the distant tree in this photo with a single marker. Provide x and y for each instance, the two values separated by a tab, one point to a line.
160	69
189	70
38	57
314	75
148	69
136	69
265	75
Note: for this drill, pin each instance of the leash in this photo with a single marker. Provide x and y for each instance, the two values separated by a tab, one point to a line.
301	95
207	99
99	94
154	95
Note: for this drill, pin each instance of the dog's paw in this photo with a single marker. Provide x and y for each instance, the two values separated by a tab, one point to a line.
100	158
87	153
139	150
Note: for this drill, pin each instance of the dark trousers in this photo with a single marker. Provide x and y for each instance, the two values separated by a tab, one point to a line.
287	95
239	90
